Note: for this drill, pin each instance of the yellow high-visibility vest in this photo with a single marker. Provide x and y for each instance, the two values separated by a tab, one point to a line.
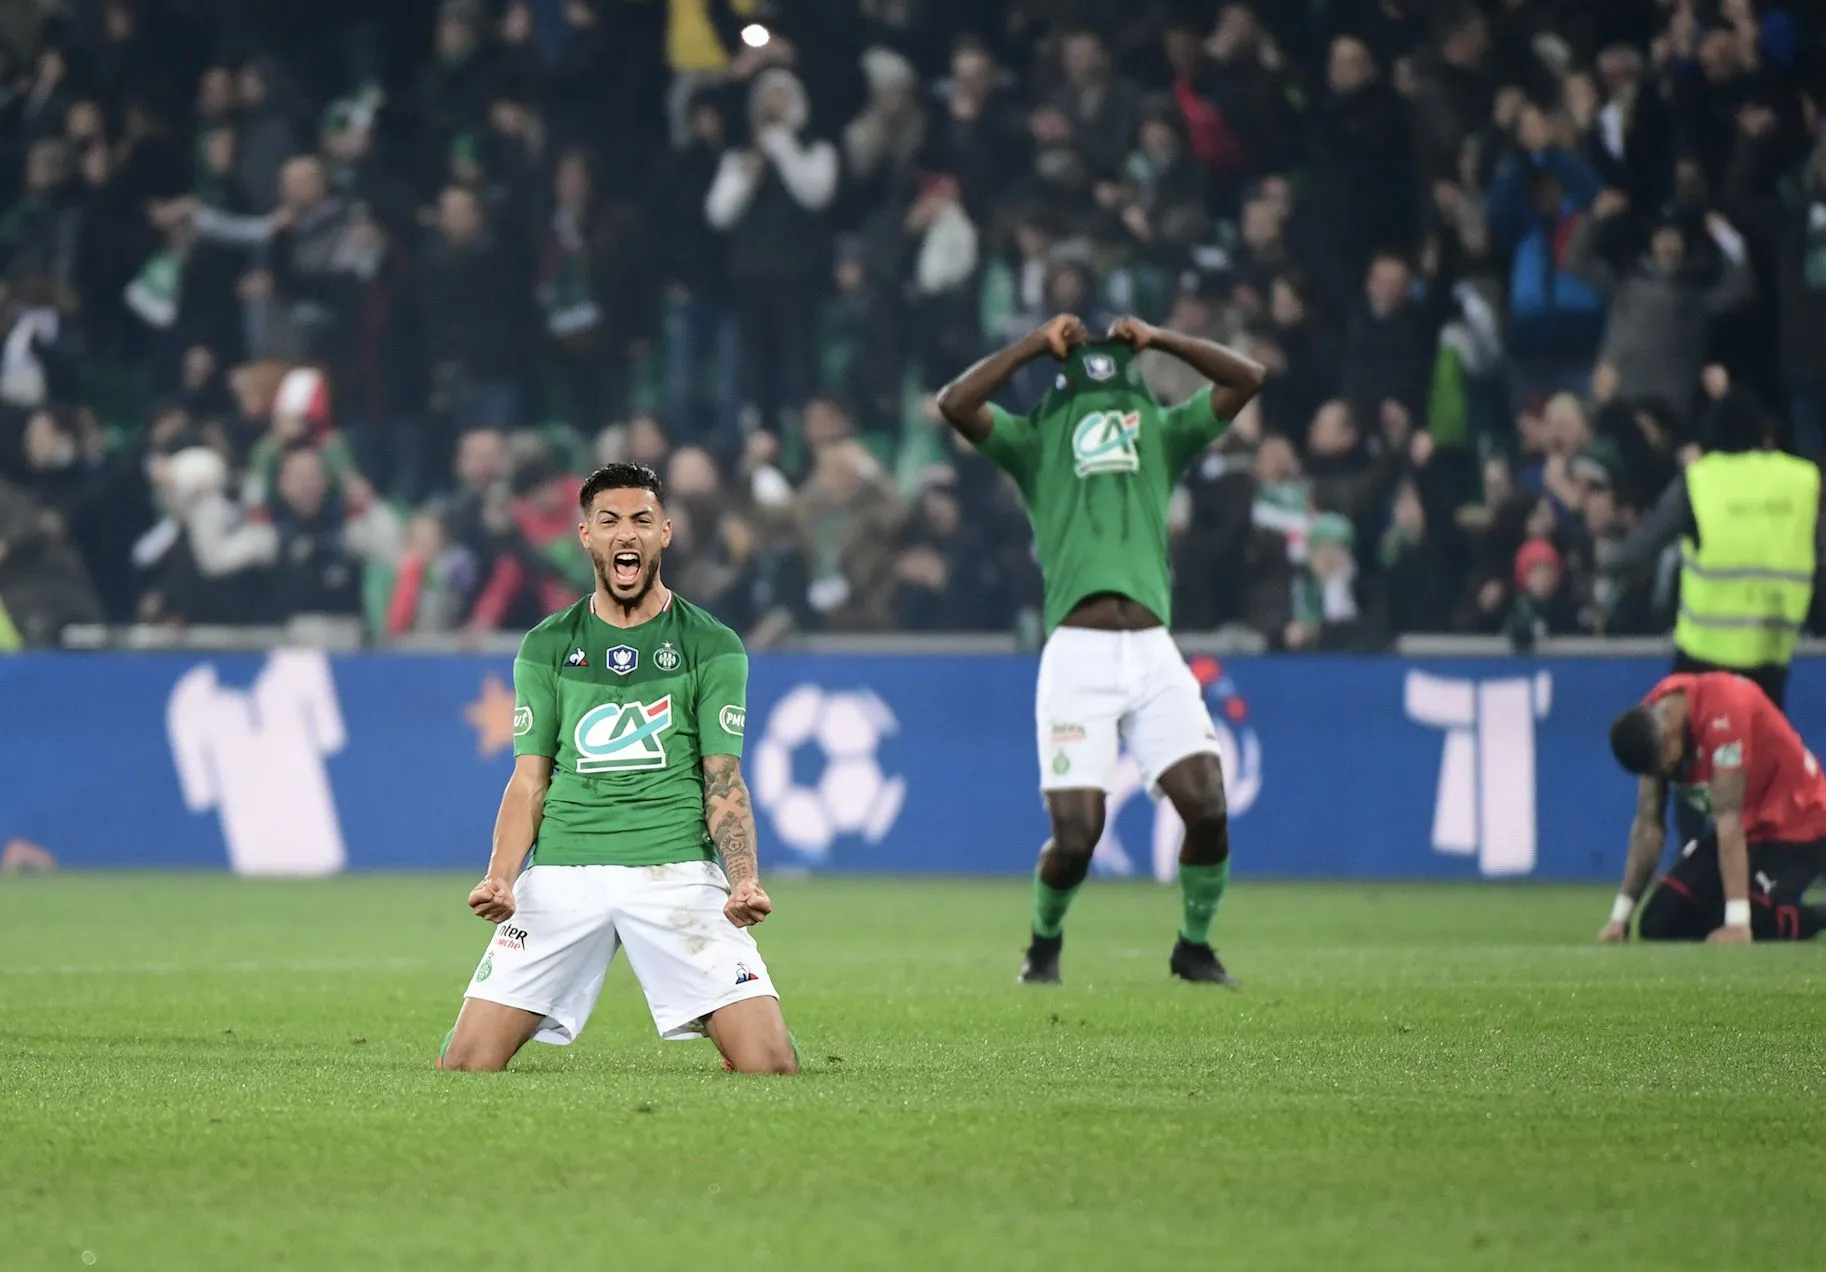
1746	585
691	43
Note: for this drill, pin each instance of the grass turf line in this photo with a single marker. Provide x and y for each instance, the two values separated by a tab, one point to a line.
201	1073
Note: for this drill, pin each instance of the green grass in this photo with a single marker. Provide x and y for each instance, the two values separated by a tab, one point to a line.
206	1073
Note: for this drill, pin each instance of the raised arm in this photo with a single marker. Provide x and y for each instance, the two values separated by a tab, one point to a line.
965	401
729	814
1235	378
1647	838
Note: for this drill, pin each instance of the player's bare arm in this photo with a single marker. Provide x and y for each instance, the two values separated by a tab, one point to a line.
1727	790
1647	839
1235	377
730	815
965	401
516	827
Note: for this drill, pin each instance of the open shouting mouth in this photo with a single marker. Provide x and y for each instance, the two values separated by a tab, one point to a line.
624	569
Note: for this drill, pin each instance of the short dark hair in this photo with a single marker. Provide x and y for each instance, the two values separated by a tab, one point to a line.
1635	739
621	477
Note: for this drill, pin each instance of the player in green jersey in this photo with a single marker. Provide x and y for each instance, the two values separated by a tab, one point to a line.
1096	463
629	710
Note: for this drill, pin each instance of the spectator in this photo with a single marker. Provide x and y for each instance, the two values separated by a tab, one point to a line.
1094	110
43	585
436	580
95	501
472	325
768	198
208	560
979	137
1323	603
1421	557
589	289
891	130
1661	310
1347	475
265	138
944	247
716	546
1251	125
1544	603
1390	343
1361	195
1535	202
947	574
701	318
848	518
1789	210
327	537
536	567
301	421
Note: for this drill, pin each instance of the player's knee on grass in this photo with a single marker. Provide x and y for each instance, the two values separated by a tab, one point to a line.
486	1037
753	1038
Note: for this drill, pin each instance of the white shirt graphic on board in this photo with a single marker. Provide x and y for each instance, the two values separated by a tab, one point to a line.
256	756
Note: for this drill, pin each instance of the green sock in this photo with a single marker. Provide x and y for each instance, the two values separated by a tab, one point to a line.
1049	907
443	1050
1201	888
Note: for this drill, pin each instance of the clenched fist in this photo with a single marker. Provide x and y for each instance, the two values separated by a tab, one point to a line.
748	904
493	899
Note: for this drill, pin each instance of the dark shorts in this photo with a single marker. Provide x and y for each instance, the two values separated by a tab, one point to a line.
1689	902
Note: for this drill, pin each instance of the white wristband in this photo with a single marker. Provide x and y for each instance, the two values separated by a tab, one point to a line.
1622	908
1737	914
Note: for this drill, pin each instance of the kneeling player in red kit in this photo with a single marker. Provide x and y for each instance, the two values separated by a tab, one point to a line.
1716	734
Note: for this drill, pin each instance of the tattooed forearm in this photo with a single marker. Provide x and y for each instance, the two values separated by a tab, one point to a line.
730	816
1647	836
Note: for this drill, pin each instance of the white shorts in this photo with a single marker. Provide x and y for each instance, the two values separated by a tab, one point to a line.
569	921
1100	691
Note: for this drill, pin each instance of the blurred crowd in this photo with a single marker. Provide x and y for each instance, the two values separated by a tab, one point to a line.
325	309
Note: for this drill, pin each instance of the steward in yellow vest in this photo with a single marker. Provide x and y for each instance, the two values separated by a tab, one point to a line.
1748	521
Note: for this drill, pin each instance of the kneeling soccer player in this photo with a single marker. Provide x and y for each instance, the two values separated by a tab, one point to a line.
627	787
1745	879
1096	463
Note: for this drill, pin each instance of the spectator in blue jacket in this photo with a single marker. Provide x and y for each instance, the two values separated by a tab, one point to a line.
1540	194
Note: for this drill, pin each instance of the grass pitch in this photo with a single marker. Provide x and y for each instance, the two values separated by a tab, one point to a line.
203	1073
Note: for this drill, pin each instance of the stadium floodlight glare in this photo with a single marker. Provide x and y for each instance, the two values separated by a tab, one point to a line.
754	35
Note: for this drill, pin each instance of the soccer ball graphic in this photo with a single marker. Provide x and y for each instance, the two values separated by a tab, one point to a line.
851	795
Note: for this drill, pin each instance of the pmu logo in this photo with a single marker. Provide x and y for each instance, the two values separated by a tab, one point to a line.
1241	752
1485	806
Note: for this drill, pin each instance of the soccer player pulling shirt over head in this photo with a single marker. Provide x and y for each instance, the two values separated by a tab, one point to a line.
1096	463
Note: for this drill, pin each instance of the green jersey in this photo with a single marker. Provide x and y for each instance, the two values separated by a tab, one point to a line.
1096	463
627	714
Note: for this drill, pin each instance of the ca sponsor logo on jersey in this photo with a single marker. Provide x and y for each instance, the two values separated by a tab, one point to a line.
623	659
733	719
523	721
666	657
623	737
1104	442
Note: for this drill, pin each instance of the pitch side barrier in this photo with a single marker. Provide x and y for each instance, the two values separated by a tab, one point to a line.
258	752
